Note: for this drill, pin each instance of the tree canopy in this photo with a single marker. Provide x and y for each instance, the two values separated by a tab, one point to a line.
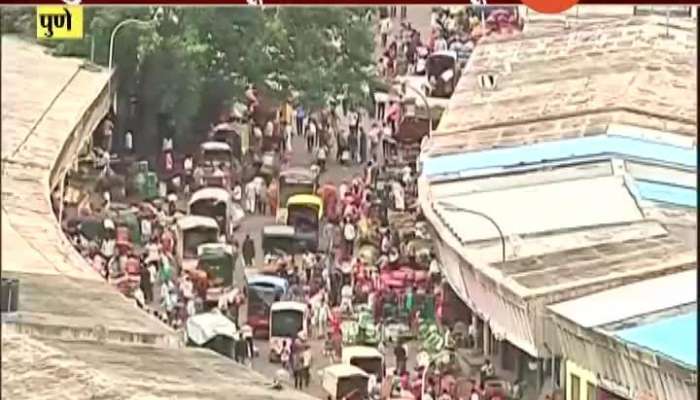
191	62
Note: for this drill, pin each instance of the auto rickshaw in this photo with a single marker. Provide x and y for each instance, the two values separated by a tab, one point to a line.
280	239
367	358
263	290
193	231
287	321
218	154
443	73
211	330
345	381
304	213
293	181
217	261
217	203
228	133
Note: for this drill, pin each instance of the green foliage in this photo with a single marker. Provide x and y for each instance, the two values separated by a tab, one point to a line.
18	20
194	61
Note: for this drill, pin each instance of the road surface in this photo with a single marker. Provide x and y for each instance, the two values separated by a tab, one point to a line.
419	17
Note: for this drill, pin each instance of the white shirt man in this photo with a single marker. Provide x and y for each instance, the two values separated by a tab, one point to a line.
107	248
385	26
311	130
188	164
247	331
257	132
352	118
399	199
407	177
434	267
322	153
386	132
129	141
250	194
237	193
373	135
349	232
440	44
187	288
167	144
288	137
146	230
269	129
471	332
223	303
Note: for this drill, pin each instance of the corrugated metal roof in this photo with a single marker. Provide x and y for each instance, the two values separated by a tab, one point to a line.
558	150
631	300
676	337
572	83
542	208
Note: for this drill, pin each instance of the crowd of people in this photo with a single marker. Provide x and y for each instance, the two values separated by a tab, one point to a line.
341	281
457	30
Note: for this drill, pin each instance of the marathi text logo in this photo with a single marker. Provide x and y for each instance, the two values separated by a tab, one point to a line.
59	22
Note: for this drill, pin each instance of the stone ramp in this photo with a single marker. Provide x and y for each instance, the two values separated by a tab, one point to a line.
83	370
48	105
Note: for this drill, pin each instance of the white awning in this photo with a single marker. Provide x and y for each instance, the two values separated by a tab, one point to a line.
628	301
541	208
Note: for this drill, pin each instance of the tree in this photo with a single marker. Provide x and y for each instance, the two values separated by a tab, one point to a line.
193	61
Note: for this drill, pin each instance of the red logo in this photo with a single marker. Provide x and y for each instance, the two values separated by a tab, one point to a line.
550	6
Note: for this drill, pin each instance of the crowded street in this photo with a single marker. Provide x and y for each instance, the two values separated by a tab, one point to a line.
294	234
326	218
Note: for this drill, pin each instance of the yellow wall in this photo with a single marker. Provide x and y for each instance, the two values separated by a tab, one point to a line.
585	377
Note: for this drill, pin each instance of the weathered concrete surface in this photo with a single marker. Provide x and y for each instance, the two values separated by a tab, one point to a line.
572	82
44	100
87	370
74	336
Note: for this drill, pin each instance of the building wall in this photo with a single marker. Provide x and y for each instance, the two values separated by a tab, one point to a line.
585	378
619	367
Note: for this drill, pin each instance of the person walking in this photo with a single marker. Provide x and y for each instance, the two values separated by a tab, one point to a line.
311	132
298	369
239	349
248	251
250	194
306	365
300	114
373	137
401	357
323	314
247	332
146	284
285	355
362	146
384	30
129	142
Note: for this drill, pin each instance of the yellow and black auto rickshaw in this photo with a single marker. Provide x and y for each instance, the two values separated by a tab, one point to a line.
304	213
293	181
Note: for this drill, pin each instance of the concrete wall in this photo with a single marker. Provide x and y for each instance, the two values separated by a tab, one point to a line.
80	134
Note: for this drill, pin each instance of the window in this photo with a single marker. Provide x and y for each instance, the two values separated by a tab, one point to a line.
575	387
591	392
